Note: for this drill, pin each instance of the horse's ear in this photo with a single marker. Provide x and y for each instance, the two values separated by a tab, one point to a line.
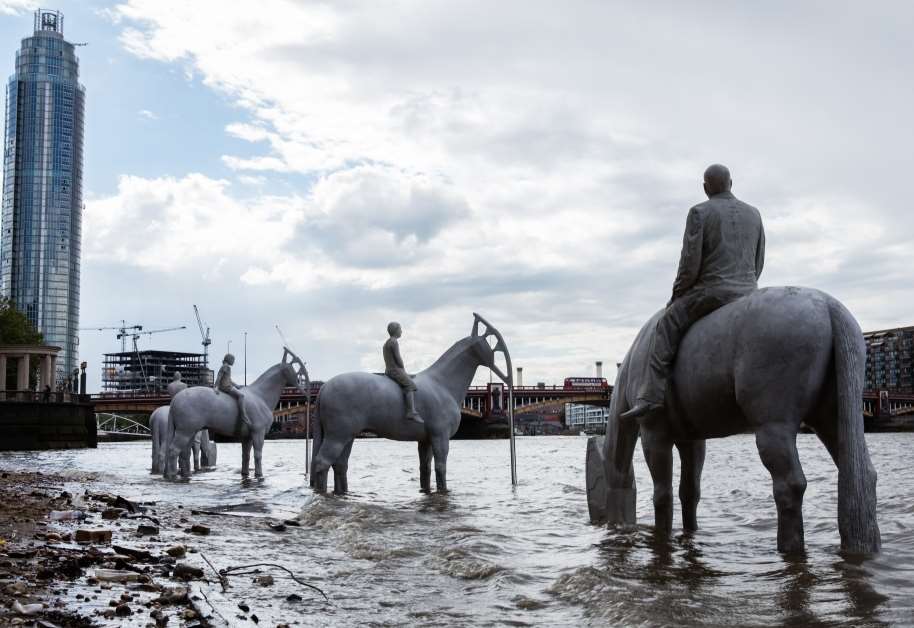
476	320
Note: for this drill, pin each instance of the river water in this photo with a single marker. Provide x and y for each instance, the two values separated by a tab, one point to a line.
487	554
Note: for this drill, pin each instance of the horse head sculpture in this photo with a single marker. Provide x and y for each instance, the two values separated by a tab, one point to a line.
296	377
487	353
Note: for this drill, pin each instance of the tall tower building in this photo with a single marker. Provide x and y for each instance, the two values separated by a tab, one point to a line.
42	186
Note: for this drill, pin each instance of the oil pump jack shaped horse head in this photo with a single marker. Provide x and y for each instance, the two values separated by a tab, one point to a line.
354	402
201	407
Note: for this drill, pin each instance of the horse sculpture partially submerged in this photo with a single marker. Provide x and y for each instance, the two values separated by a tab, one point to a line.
204	449
354	402
197	408
764	363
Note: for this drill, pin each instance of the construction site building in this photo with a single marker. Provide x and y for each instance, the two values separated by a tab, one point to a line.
151	371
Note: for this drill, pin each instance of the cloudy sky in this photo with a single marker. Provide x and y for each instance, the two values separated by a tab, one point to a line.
328	167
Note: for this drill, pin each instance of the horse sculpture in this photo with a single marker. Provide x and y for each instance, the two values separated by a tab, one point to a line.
204	449
197	408
354	402
764	363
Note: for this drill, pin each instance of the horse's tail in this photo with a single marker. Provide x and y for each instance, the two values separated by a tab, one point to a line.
318	438
856	475
611	490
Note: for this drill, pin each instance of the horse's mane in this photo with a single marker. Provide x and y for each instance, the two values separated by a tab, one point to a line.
457	348
266	374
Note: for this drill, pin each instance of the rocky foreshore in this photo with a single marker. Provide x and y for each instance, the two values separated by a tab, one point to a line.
73	557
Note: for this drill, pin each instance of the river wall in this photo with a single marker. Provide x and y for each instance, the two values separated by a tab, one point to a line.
29	425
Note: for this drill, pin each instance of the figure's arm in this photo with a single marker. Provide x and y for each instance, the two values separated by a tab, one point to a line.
396	351
690	259
760	252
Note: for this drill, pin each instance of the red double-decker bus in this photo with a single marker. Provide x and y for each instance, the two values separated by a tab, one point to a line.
586	383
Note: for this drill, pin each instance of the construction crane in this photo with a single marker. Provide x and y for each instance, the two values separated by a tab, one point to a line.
122	332
204	335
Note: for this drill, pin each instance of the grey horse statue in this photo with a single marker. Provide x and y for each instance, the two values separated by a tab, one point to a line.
355	402
199	407
204	448
765	363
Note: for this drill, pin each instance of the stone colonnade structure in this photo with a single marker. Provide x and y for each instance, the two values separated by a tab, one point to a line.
20	354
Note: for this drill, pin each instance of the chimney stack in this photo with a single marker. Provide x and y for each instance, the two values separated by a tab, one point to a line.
520	377
599	368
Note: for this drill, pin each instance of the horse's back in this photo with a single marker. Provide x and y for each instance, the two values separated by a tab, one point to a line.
349	403
772	345
192	407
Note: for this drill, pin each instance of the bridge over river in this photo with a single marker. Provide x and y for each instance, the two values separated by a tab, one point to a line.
484	407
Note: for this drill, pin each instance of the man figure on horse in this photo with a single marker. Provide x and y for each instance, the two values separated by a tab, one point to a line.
225	384
175	385
723	252
394	369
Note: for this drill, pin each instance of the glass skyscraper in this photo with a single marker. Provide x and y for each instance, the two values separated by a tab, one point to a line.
42	186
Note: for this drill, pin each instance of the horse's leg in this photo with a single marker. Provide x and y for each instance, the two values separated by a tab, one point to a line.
195	447
176	446
658	452
329	452
440	446
319	481
777	446
692	460
245	456
340	467
258	455
425	466
185	460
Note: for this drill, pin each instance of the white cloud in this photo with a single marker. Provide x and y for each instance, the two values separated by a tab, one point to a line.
146	114
17	7
172	225
529	159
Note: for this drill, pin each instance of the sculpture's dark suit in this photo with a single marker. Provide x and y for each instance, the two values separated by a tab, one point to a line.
723	252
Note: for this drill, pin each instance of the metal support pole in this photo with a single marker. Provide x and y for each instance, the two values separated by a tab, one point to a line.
245	358
308	433
511	421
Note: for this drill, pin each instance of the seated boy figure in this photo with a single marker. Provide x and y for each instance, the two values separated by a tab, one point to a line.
394	369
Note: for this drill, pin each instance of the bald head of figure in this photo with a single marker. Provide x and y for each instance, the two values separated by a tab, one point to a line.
717	180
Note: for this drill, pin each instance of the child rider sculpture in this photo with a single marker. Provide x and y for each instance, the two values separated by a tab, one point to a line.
225	384
394	369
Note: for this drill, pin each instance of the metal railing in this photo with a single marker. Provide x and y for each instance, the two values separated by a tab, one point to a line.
49	396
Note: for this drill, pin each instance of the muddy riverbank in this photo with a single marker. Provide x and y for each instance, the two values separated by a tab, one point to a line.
74	555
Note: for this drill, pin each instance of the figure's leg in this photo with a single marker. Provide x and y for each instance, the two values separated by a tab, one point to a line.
340	467
669	331
246	457
692	460
777	448
258	455
440	446
241	410
411	412
658	452
425	466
